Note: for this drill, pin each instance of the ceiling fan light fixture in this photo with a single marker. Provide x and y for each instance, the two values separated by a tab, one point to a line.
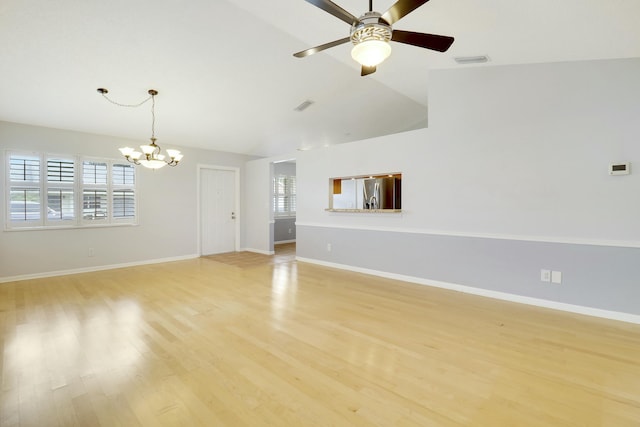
370	38
372	32
371	52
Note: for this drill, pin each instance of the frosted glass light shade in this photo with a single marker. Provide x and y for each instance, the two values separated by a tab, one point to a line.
172	153
126	151
371	52
147	149
153	164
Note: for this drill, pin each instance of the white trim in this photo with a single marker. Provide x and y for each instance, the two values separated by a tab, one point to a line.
280	242
258	251
94	268
236	171
543	239
589	311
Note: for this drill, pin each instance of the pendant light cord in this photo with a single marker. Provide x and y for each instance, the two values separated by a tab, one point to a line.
153	116
103	92
152	94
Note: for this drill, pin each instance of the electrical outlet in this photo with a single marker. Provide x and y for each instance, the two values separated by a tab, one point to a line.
290	231
91	252
545	275
328	247
556	277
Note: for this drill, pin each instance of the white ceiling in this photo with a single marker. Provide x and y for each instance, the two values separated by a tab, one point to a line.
227	79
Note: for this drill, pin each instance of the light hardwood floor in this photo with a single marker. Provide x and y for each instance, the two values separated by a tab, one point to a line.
253	340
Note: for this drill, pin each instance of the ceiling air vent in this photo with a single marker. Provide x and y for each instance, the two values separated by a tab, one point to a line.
306	104
471	59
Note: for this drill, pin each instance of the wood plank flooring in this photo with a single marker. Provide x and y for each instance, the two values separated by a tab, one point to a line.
253	340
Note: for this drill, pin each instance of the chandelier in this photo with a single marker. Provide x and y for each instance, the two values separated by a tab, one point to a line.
150	155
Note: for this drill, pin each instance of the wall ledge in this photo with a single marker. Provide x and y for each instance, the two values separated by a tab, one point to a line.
525	238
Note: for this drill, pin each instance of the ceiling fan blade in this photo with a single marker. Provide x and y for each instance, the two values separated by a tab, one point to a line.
335	10
400	9
427	41
366	70
320	48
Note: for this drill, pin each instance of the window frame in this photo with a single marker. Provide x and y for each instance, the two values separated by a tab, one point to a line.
76	187
26	185
289	196
54	185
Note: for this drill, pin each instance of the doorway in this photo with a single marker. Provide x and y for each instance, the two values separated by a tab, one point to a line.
284	205
218	209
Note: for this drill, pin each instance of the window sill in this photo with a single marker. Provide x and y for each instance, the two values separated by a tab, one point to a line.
67	227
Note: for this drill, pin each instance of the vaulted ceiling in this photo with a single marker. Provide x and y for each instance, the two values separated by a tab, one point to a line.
227	79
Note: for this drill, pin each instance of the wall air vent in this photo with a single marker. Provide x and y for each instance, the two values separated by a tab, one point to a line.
306	104
620	168
471	59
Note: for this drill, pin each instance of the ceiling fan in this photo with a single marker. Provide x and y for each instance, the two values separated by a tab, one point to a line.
371	33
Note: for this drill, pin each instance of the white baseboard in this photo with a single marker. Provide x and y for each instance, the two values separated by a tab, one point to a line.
589	311
94	268
258	251
280	242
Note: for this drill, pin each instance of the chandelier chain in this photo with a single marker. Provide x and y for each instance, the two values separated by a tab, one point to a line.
104	95
153	116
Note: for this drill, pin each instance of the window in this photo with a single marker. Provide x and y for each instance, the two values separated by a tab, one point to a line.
60	190
47	190
284	195
123	200
24	190
95	203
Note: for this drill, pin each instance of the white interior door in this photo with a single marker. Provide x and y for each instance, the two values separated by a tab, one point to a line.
217	211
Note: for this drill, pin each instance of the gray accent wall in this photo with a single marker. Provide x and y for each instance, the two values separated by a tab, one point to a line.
284	229
601	277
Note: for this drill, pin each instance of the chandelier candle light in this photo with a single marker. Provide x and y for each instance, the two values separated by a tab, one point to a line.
150	156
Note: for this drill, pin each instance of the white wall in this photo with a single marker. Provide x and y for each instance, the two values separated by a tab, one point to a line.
505	157
257	201
512	172
534	143
167	203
